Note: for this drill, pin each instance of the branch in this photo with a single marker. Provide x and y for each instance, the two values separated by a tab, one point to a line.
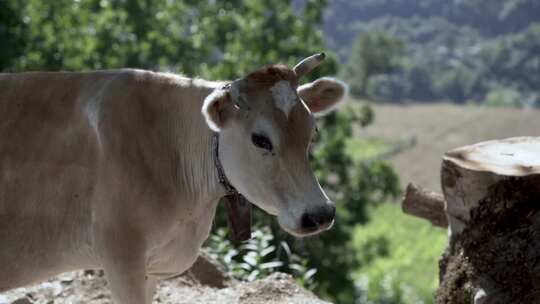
425	204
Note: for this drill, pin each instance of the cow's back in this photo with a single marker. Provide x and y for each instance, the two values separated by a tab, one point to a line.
48	162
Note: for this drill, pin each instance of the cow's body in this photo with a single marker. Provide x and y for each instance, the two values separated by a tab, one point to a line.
98	167
117	169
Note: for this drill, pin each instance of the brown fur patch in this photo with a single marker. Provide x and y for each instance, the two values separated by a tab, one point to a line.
268	76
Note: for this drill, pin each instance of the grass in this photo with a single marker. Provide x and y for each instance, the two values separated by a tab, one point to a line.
440	127
362	149
400	255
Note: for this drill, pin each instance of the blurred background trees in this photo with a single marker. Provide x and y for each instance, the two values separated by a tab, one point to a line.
457	51
374	53
213	39
426	50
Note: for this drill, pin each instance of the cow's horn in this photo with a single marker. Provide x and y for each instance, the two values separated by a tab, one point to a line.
308	64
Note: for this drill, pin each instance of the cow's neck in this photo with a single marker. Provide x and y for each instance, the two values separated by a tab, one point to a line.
223	180
196	173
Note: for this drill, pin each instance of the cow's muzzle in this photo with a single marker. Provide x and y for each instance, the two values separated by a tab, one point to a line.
319	219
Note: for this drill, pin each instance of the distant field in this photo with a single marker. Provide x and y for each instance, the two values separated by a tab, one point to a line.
437	128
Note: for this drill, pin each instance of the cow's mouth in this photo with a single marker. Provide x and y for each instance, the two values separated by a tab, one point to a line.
306	231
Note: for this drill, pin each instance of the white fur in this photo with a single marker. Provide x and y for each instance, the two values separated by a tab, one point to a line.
284	96
207	104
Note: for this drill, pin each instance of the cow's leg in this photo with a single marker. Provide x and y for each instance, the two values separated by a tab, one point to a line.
123	259
151	284
126	278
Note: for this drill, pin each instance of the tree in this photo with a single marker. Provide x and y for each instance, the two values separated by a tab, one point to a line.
214	39
374	53
10	33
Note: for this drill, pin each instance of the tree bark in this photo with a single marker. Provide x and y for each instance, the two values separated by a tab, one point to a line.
492	194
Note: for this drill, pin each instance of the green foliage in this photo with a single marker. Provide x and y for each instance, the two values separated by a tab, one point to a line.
10	35
497	17
373	53
455	50
450	69
398	254
362	149
212	39
503	97
258	257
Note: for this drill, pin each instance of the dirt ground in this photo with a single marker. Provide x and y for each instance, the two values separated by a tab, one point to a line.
438	128
205	282
90	287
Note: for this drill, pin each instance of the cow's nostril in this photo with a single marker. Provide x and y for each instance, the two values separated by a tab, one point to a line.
321	217
309	222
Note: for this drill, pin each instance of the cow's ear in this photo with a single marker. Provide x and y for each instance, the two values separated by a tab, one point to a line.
323	94
217	108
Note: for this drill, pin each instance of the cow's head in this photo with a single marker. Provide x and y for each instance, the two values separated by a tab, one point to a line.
266	123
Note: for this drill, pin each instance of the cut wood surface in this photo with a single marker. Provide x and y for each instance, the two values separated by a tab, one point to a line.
519	156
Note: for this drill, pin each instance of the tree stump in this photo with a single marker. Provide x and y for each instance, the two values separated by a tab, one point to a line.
492	194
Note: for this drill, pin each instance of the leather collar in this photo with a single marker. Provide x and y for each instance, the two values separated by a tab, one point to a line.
238	207
229	189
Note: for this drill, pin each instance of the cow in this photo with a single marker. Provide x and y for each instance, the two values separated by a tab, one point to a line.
120	169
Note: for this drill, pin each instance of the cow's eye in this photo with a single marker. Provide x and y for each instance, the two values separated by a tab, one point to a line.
261	141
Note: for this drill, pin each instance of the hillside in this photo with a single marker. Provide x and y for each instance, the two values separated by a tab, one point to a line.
345	19
455	50
438	128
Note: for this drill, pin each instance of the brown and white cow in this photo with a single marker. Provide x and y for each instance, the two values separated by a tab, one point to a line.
116	169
